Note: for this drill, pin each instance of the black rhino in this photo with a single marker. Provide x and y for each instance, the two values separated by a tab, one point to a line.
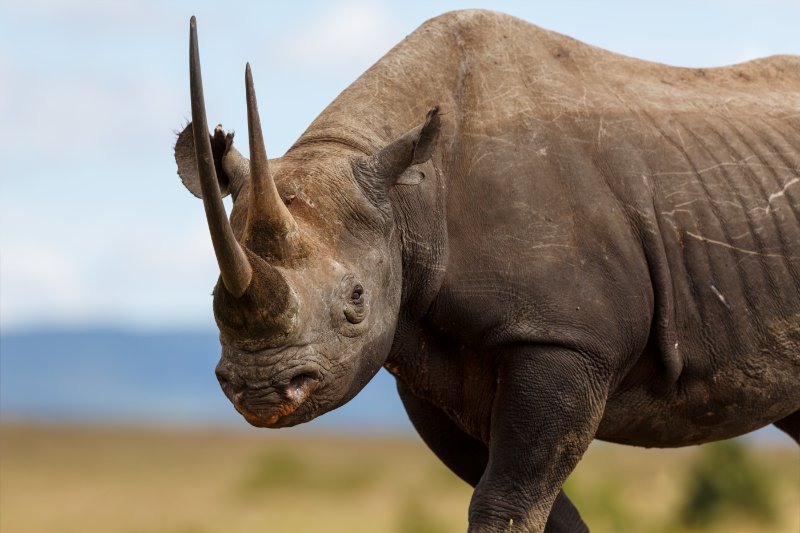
545	243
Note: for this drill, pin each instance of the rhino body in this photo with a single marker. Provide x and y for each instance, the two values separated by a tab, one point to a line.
573	245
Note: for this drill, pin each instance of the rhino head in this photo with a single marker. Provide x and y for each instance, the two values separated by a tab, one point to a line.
310	262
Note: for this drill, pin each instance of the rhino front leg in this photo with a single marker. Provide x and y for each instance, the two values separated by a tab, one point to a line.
467	457
548	405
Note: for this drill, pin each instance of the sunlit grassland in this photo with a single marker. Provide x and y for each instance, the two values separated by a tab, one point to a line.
62	479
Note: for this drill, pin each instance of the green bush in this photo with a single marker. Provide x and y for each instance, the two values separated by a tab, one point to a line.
416	518
285	471
725	482
601	505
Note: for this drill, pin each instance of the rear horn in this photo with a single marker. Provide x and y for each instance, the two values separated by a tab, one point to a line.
234	267
265	206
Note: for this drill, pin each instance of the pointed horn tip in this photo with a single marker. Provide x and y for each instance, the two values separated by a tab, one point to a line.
193	22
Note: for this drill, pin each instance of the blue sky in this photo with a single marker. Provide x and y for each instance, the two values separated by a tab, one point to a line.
95	228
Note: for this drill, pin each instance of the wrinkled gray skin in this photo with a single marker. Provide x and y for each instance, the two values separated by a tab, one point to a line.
579	245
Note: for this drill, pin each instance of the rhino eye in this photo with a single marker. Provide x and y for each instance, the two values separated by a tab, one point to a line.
356	310
358	292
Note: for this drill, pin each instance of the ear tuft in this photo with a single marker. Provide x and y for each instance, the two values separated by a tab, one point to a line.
187	165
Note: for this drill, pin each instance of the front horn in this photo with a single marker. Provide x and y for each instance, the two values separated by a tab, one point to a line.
234	267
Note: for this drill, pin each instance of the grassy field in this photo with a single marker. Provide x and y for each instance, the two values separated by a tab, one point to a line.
86	480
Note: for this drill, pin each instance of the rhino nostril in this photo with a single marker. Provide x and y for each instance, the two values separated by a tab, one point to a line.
301	386
299	380
223	376
228	381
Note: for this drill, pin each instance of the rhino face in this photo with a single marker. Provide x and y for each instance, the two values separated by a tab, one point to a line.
341	330
309	293
281	366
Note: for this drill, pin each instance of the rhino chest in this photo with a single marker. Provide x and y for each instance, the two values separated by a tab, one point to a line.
452	376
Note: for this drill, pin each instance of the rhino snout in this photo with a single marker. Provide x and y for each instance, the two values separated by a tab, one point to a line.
269	406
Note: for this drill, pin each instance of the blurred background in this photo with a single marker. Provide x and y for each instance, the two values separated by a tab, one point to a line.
110	416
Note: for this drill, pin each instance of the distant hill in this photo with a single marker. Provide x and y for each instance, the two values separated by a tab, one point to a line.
122	377
112	376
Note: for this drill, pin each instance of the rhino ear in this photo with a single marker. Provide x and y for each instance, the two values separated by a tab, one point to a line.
391	165
187	165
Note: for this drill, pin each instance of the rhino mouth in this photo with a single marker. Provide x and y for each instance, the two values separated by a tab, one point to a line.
293	408
282	404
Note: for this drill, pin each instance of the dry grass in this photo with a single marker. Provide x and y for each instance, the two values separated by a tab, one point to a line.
59	479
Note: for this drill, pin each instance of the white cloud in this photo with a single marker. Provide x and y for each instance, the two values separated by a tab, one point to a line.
119	14
355	32
124	275
39	283
73	114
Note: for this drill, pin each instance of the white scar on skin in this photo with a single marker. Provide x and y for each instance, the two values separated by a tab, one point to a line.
775	195
741	250
720	296
782	191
